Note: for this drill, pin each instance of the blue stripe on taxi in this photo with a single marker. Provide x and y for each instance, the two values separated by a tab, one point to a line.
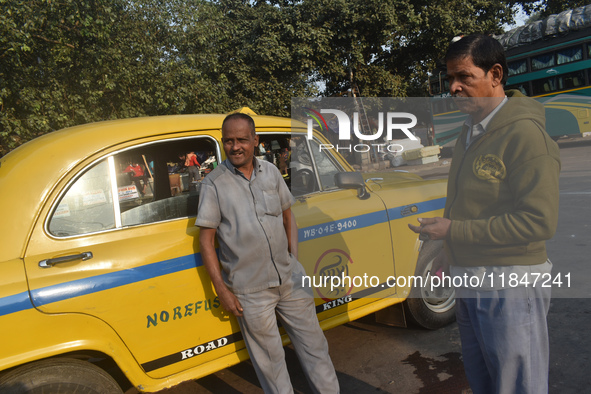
80	287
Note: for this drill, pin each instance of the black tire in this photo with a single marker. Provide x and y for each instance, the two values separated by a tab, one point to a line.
426	308
57	376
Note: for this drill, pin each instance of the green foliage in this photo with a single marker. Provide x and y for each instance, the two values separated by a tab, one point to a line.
62	63
67	62
387	47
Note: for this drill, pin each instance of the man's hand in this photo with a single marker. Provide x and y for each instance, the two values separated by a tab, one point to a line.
291	230
229	301
212	265
434	228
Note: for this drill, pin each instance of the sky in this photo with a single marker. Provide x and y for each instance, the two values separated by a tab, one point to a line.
520	19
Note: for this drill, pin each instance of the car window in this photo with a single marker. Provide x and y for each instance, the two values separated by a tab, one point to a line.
291	154
155	182
87	206
276	149
325	166
161	181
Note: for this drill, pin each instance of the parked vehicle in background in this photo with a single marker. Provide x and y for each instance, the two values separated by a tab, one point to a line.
548	59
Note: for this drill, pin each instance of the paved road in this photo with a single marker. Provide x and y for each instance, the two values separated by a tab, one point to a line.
570	250
374	358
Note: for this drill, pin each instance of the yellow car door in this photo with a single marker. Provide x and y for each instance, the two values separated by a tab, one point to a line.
345	238
128	254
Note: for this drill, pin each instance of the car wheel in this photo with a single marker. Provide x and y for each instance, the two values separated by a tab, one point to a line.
426	307
61	375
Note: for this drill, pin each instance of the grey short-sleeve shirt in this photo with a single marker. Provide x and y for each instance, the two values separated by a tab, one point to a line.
248	216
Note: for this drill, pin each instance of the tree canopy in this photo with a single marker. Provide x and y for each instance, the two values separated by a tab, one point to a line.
67	62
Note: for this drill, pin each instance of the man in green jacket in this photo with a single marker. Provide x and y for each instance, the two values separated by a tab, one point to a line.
502	205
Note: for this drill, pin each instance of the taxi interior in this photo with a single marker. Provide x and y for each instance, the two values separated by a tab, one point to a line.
154	185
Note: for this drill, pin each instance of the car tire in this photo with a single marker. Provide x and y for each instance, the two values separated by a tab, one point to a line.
424	307
60	375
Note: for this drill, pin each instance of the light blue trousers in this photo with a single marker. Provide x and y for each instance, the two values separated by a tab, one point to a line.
296	311
504	337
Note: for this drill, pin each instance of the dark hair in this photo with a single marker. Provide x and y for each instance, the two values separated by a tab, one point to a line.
240	115
484	50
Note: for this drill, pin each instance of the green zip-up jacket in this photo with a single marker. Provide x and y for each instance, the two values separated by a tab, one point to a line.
502	193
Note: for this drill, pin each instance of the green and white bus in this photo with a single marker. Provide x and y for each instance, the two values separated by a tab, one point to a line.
548	59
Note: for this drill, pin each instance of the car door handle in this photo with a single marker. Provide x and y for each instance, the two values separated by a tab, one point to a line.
65	259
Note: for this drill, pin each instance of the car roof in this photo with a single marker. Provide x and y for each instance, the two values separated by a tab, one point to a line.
28	173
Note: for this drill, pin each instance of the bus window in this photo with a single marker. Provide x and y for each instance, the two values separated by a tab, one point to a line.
542	61
517	67
568	55
543	86
571	80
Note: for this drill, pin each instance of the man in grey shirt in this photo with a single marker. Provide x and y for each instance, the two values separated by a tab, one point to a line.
247	203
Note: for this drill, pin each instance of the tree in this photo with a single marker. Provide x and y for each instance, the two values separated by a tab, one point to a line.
388	46
59	65
68	62
78	61
264	55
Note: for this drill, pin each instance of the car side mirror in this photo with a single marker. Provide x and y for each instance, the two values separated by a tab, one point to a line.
352	180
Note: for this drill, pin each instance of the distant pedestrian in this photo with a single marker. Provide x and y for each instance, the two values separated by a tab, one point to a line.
192	166
137	176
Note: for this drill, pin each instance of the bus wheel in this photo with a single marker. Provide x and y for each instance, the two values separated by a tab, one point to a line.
430	304
59	375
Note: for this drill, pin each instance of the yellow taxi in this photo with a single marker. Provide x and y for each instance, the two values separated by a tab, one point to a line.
101	278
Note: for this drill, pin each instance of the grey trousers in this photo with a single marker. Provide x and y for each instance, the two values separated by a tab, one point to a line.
504	337
296	312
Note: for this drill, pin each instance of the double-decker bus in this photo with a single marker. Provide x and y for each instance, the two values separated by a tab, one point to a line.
548	59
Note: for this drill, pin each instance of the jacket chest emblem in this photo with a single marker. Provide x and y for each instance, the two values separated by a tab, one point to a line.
489	168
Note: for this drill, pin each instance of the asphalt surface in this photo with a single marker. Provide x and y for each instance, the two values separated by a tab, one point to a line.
374	358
